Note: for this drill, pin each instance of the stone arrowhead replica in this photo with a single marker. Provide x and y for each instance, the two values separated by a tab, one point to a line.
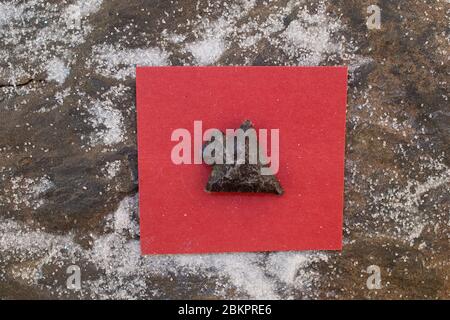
244	177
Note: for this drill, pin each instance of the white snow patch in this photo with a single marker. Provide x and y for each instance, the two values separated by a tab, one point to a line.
112	168
106	120
108	123
212	35
311	37
57	70
60	96
286	266
73	13
123	216
118	63
207	51
176	38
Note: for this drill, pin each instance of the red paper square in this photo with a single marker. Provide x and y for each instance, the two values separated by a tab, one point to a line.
307	105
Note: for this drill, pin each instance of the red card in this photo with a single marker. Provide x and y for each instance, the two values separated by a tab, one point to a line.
306	104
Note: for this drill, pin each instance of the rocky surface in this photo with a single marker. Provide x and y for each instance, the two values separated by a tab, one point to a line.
68	177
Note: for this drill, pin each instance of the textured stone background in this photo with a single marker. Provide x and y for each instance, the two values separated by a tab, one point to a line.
68	185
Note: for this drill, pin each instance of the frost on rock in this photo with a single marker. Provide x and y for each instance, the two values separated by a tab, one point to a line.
125	273
111	169
57	71
106	119
74	13
32	32
213	36
311	37
125	217
400	205
10	12
107	122
290	267
114	62
207	51
28	191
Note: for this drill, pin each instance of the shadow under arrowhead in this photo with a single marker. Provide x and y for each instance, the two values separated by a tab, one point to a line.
242	177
